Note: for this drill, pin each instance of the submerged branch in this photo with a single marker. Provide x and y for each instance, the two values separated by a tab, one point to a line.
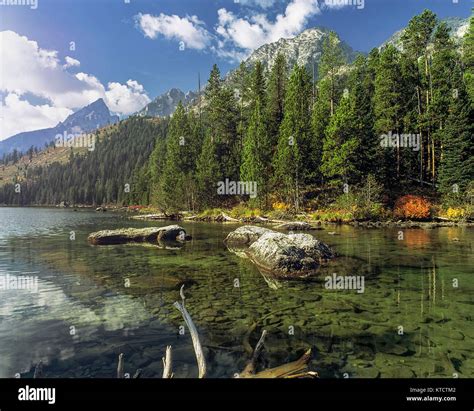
168	363
120	366
251	367
195	337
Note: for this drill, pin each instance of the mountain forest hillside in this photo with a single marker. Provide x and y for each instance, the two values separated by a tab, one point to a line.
397	123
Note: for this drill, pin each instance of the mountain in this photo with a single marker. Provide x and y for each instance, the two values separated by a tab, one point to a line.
165	105
85	120
457	25
304	50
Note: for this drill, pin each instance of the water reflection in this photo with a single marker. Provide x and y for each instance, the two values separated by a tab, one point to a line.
119	299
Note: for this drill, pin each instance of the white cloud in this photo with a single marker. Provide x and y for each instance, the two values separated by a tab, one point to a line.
243	35
71	62
28	69
19	115
126	98
190	30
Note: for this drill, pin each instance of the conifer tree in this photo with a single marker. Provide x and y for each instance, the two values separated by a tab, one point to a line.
255	161
457	161
332	59
276	97
468	59
388	109
341	144
294	144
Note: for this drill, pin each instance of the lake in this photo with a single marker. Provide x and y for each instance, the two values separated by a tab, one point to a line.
90	303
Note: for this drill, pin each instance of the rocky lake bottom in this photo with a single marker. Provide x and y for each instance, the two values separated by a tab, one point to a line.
414	318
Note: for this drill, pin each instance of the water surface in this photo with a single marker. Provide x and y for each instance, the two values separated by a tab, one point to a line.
93	302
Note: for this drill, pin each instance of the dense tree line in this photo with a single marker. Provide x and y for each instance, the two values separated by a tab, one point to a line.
295	138
109	174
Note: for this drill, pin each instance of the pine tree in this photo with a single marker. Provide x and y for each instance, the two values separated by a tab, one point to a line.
255	161
332	59
256	156
388	109
276	97
208	173
294	145
457	160
415	42
243	85
361	91
341	144
179	163
222	117
468	59
321	113
443	64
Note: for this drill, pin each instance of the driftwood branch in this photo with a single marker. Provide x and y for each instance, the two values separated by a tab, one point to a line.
168	363
138	373
295	369
228	218
251	367
120	366
195	337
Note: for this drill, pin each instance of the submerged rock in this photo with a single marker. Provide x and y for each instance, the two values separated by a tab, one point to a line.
296	226
139	235
282	255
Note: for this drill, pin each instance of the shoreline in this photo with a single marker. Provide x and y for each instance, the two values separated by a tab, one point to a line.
135	213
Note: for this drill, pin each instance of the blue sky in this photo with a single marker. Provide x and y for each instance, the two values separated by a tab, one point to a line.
130	51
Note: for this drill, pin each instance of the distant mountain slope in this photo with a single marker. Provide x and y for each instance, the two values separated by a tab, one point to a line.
304	50
458	26
165	105
78	176
87	119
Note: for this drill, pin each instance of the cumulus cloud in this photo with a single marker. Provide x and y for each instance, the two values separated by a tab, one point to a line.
243	35
190	30
126	98
234	37
28	69
71	62
19	115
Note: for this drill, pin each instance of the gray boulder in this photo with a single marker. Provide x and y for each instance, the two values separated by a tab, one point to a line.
281	255
139	235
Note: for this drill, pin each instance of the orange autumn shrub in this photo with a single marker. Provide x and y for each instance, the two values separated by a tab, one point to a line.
411	206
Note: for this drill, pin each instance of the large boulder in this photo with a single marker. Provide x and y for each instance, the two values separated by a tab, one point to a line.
288	256
281	255
139	235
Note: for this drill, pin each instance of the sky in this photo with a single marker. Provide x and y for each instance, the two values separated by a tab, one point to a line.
60	55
